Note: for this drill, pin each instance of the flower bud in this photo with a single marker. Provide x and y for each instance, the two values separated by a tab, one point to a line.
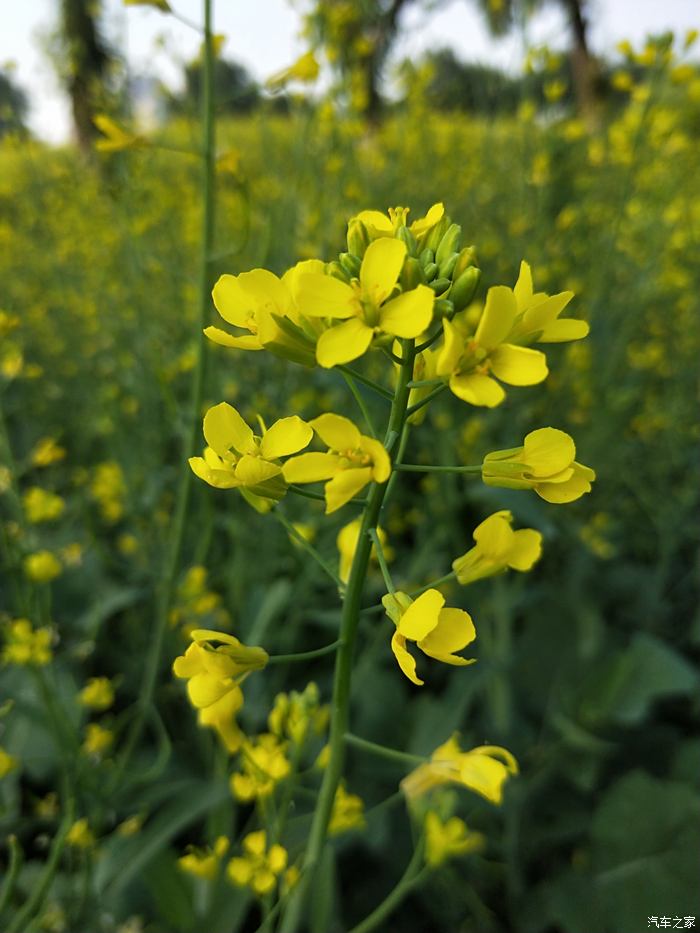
440	286
432	241
464	288
426	257
335	270
411	274
467	258
447	267
430	271
358	238
448	244
351	264
405	235
443	307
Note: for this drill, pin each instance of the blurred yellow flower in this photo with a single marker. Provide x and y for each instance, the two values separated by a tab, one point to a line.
259	867
447	840
8	762
497	548
40	505
304	69
346	542
484	770
98	694
97	740
27	645
42	566
115	138
264	763
80	835
347	813
204	863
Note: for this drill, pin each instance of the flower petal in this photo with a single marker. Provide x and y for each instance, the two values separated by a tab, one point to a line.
497	318
324	296
232	303
523	287
573	488
422	615
380	268
525	550
405	660
310	468
452	349
495	535
454	631
409	314
518	366
343	343
286	436
252	471
224	428
548	451
477	389
344	486
381	464
266	290
247	342
337	432
562	331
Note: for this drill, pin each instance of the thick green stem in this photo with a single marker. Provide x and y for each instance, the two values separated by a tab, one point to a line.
191	442
340	708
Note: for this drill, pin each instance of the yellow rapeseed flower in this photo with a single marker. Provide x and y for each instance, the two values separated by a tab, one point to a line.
80	835
484	770
97	740
353	460
295	715
42	566
447	840
98	694
387	225
264	763
437	631
45	452
259	867
304	69
497	548
40	505
27	645
346	542
544	463
204	863
115	138
347	813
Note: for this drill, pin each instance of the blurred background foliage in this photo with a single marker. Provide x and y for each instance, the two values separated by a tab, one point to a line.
587	666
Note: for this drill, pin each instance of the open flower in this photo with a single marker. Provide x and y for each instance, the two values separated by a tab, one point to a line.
363	306
348	812
497	548
544	463
538	314
484	770
386	225
346	542
449	839
352	461
213	676
237	458
265	764
204	862
438	632
259	867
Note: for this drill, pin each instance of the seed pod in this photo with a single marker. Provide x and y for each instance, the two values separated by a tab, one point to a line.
351	264
448	244
464	289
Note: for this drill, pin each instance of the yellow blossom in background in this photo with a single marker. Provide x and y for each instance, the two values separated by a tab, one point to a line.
304	69
259	867
296	716
537	319
353	460
213	676
346	542
497	548
115	138
80	835
161	5
378	224
97	740
237	458
45	452
448	840
348	812
131	825
8	763
27	645
98	694
42	566
484	770
362	305
264	763
40	505
437	631
204	863
544	463
108	489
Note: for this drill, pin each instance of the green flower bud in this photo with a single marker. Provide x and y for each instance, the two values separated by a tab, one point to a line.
411	274
448	244
405	235
467	257
426	257
464	289
440	286
351	264
430	271
443	307
432	241
358	238
337	271
447	267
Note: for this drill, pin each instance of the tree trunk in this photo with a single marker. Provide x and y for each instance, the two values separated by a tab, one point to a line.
583	65
87	61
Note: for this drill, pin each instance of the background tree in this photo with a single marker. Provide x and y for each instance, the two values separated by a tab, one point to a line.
235	90
13	105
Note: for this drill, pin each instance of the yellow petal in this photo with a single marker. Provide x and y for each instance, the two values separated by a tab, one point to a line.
573	488
263	881
495	535
380	268
380	223
204	689
219	479
286	436
424	224
344	486
477	389
310	468
562	331
266	290
452	349
247	342
224	428
523	287
544	312
454	631
409	314
518	366
497	318
324	296
484	775
422	615
337	432
548	451
343	343
233	304
526	549
239	871
255	843
188	664
252	471
405	660
381	464
277	859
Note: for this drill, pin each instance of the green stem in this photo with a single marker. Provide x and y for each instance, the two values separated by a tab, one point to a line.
420	468
177	533
304	655
340	708
39	892
383	751
410	879
309	548
360	403
370	383
375	610
427	400
12	872
382	560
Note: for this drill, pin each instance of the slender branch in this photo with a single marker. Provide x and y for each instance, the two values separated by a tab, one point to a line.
307	546
12	872
425	383
383	751
370	383
378	608
360	403
427	400
429	468
304	655
307	493
429	342
379	550
411	878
